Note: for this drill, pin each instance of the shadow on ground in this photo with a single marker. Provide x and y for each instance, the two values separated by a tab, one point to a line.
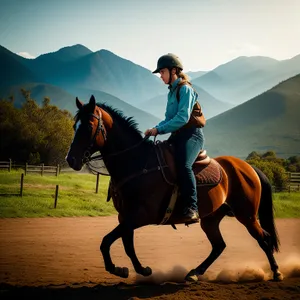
120	291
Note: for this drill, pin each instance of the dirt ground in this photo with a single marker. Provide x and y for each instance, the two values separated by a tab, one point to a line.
59	258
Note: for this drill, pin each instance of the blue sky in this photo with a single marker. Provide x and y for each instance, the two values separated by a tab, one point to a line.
204	33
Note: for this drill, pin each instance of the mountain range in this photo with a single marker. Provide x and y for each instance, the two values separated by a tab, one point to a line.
269	121
228	94
246	77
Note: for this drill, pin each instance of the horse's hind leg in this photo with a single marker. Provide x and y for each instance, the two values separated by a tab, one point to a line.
210	225
264	240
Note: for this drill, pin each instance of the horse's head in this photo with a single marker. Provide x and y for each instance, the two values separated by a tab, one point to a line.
90	133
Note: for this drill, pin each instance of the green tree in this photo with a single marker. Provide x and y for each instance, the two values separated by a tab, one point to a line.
253	155
34	134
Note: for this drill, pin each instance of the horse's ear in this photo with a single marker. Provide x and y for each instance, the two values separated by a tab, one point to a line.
92	102
79	104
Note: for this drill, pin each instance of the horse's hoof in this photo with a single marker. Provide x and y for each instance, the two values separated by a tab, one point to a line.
277	276
121	272
146	271
191	276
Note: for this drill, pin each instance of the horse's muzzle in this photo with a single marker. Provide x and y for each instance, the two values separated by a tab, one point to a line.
73	163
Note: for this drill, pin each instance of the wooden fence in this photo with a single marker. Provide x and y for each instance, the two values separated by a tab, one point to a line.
41	169
6	165
294	181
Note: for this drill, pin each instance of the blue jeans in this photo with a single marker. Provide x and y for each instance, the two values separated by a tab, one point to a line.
187	144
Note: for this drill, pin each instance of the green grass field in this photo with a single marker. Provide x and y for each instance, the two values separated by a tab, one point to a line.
77	197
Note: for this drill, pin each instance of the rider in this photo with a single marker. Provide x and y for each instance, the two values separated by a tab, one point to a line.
186	136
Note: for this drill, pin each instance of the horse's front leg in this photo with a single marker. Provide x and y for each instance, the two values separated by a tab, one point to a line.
128	243
107	241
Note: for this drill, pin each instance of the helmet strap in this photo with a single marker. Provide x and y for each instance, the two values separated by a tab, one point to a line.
170	77
170	71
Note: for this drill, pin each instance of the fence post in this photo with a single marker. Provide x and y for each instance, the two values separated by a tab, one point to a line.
57	170
25	168
9	167
21	188
97	183
56	196
42	170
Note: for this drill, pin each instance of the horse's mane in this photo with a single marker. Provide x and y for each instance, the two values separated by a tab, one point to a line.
121	119
125	122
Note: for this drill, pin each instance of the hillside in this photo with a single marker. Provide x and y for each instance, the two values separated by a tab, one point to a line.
143	119
13	69
210	105
246	77
195	74
269	121
77	66
39	91
101	70
65	100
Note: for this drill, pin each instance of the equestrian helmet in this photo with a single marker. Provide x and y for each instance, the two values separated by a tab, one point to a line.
168	61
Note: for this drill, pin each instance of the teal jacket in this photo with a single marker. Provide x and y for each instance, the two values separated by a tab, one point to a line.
177	114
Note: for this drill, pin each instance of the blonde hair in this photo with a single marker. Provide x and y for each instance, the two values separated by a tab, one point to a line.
184	78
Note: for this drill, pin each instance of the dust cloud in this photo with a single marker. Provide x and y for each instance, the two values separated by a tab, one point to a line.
290	267
250	272
175	274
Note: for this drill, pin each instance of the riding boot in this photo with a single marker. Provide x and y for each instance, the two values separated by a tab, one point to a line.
189	216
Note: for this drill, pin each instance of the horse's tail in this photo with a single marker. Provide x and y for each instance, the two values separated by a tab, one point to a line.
266	209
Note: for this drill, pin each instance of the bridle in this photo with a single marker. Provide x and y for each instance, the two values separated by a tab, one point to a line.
100	128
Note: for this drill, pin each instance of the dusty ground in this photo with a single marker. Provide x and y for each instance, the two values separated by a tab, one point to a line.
59	258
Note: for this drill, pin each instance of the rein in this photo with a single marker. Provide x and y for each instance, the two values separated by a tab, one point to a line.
98	157
88	159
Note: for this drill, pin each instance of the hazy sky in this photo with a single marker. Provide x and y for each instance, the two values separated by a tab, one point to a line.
204	33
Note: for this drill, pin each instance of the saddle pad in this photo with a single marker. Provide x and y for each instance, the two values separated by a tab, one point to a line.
210	174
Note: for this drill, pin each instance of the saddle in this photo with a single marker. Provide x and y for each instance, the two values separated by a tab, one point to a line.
208	174
207	171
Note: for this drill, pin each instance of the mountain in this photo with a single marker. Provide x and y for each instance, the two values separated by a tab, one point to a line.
210	105
75	66
14	69
65	54
143	119
269	121
107	72
196	74
38	92
246	77
65	100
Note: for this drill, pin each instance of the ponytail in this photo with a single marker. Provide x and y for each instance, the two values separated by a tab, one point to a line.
184	78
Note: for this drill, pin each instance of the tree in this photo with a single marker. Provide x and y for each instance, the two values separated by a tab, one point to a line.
253	155
34	134
274	171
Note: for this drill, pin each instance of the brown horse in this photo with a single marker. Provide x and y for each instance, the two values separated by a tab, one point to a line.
141	188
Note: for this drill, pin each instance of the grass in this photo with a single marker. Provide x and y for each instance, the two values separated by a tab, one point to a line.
77	197
287	205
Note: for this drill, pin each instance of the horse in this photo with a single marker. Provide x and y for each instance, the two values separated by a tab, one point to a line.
141	187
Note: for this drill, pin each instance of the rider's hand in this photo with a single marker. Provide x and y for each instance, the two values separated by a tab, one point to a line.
151	132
